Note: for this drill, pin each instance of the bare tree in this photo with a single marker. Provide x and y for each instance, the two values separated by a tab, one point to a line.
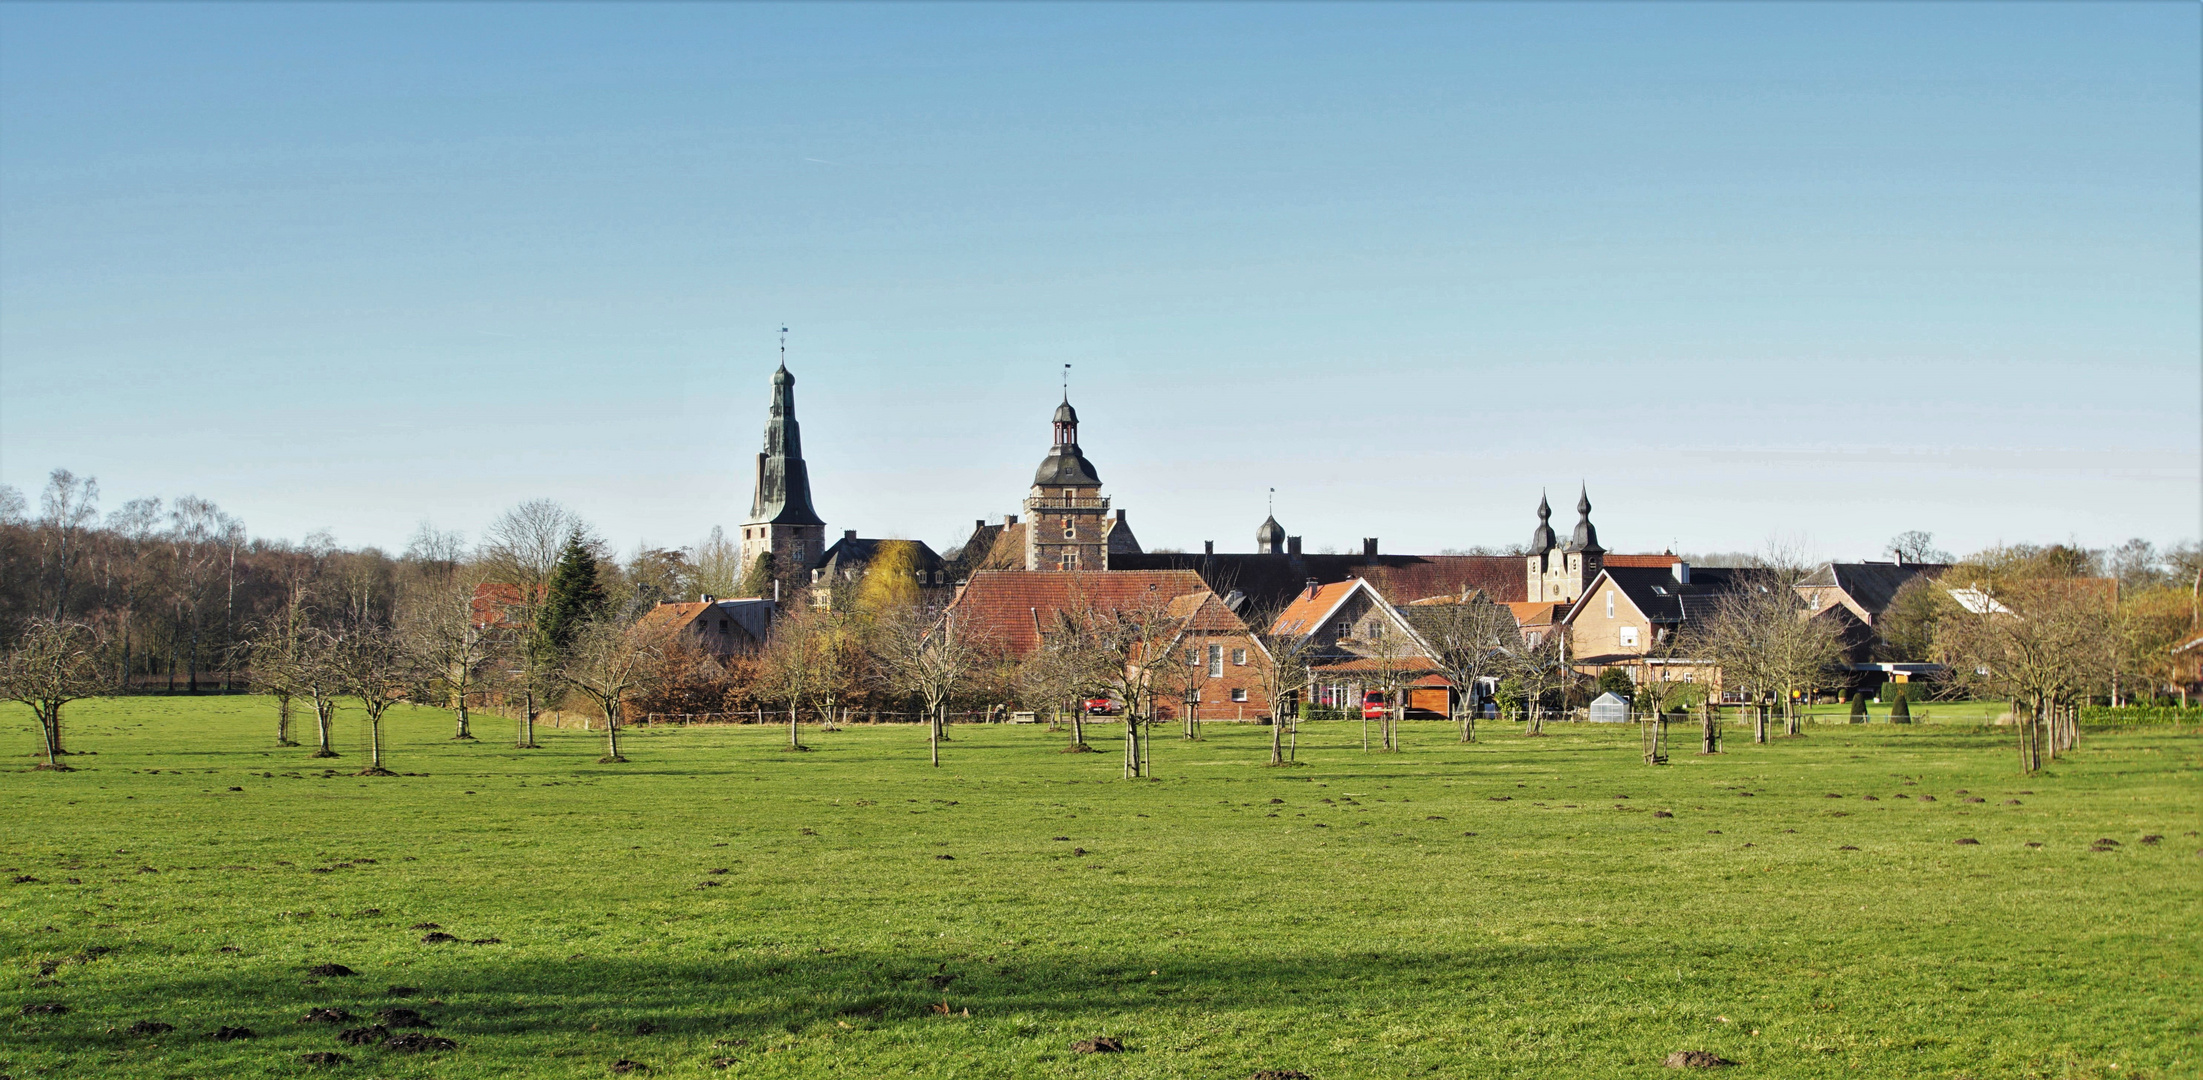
1127	646
1915	546
453	651
375	671
718	564
199	538
929	660
1055	675
54	663
1468	640
67	508
1539	666
610	662
520	550
277	659
1282	664
795	665
2040	639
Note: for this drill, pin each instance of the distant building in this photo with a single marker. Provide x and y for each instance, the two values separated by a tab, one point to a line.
1354	637
1865	587
1630	616
841	570
716	627
1068	524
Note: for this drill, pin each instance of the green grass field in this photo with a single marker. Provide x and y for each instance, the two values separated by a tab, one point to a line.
719	906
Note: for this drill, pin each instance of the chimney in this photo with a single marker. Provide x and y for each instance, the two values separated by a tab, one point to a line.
849	534
978	524
1681	570
1120	515
1369	545
1312	586
1292	545
1009	520
1208	547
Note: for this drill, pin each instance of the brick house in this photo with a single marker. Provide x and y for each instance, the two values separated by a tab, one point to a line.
715	627
1355	639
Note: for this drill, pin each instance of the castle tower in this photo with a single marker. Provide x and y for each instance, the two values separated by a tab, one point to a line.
1067	523
781	519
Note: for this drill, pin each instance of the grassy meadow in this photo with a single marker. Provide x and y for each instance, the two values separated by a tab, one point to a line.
720	906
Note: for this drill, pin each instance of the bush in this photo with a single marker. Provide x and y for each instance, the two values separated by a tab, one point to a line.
1858	708
2141	714
1617	682
1320	712
1900	704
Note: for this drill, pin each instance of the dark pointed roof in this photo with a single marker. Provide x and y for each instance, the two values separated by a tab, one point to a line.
1585	538
783	492
1270	536
1542	540
1065	466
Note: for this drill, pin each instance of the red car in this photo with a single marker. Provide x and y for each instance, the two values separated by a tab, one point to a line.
1101	706
1373	705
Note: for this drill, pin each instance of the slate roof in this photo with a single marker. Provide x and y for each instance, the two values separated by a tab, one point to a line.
1870	585
850	555
1666	601
1012	606
749	622
1269	582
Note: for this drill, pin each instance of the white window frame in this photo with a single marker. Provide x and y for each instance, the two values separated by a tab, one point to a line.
1239	693
1239	658
1610	605
1216	661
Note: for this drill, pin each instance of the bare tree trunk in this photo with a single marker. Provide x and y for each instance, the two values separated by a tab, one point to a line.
1759	721
324	718
466	730
283	720
795	740
612	734
49	726
933	731
1709	730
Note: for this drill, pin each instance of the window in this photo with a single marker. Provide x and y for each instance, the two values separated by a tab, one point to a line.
1069	561
1193	657
1345	629
1239	658
1629	636
1239	693
1610	605
1068	531
1376	630
1216	661
1194	697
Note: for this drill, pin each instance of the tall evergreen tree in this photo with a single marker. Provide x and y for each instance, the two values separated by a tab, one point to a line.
574	597
757	581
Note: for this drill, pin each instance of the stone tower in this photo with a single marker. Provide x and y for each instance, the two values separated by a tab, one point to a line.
1557	574
781	519
1067	523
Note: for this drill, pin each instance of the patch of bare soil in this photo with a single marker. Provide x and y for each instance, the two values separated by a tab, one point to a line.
1662	813
323	1057
44	1008
397	1017
425	926
149	1027
437	938
487	941
1076	748
363	1036
413	1042
1966	840
25	879
403	991
330	971
1697	1059
230	1034
1099	1044
1279	1074
625	1066
325	1016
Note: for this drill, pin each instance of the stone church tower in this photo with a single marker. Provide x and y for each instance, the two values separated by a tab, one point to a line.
1559	575
1067	520
781	519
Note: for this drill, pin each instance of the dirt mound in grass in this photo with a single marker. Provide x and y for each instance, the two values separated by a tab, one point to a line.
330	971
149	1027
1697	1059
363	1036
413	1042
230	1034
323	1057
1100	1044
437	938
424	926
625	1066
403	991
44	1008
1279	1074
401	1018
324	1016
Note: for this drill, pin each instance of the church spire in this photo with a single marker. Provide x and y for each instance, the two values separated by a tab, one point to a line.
783	492
1543	540
1586	538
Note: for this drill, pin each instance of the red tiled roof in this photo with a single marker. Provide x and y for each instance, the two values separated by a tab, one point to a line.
1536	612
1657	562
494	601
673	616
1306	612
1010	606
1504	578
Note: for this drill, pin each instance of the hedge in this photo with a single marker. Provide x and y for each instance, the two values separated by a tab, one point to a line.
2141	714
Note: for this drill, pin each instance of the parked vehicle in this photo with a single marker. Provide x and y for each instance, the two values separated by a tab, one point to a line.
1373	705
1101	706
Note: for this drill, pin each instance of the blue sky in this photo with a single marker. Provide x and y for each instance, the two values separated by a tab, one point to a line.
1827	272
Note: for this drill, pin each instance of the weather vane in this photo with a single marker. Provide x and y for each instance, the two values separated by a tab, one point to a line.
783	346
1066	382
